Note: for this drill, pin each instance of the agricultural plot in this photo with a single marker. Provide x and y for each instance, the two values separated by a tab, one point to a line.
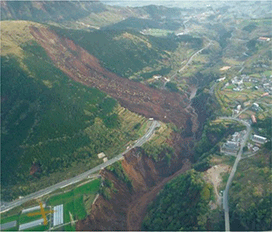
76	206
76	203
157	32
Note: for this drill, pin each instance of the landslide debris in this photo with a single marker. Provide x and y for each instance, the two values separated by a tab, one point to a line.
82	67
125	209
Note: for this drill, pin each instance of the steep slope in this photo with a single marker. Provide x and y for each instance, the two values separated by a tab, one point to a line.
50	123
46	11
181	205
124	52
82	67
126	206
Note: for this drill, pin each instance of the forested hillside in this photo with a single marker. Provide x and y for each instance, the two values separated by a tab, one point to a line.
181	205
123	52
50	123
251	194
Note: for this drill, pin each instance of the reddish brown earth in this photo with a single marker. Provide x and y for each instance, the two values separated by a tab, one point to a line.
137	209
82	67
126	209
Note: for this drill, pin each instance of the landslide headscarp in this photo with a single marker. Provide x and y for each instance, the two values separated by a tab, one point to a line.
125	209
82	67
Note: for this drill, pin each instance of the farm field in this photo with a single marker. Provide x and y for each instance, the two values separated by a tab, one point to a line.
76	200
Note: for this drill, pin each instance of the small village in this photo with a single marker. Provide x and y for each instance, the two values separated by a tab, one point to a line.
232	146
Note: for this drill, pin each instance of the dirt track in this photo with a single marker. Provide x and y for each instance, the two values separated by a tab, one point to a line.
137	209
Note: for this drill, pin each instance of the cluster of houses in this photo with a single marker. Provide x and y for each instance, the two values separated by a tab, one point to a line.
232	146
259	84
161	78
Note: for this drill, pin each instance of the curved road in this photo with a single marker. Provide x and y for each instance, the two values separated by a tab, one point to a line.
234	168
189	61
7	206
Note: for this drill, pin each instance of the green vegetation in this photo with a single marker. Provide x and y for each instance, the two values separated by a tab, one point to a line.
172	86
159	151
213	133
120	51
181	205
75	202
162	71
250	27
158	32
9	219
51	123
140	24
106	188
250	194
195	42
24	218
89	188
119	172
50	11
264	128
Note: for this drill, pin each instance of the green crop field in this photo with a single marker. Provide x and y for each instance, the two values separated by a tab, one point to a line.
76	202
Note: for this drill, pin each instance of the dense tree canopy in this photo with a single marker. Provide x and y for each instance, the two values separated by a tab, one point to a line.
181	205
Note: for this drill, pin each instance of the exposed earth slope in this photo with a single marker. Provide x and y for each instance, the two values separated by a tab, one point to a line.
127	206
82	67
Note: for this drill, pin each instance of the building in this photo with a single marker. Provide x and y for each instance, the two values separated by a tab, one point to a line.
265	94
255	149
259	139
230	147
255	106
58	215
253	118
235	137
32	224
264	39
236	89
8	225
221	79
157	77
101	155
105	159
239	107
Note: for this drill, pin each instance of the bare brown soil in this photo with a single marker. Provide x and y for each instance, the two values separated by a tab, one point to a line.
82	67
137	209
126	208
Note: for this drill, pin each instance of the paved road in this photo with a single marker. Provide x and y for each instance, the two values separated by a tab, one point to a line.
192	57
234	168
7	206
189	61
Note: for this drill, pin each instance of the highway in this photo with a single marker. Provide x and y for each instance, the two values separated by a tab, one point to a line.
9	205
234	168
